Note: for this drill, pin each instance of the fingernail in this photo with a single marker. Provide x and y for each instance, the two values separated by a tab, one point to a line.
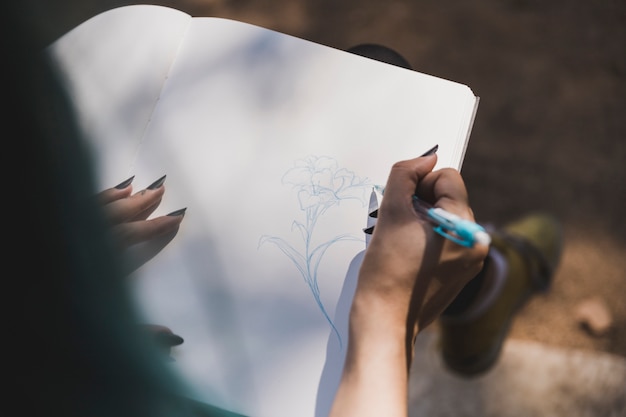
431	151
369	230
178	212
374	214
157	183
125	184
169	339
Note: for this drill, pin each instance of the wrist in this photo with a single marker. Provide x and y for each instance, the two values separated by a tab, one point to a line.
378	323
375	376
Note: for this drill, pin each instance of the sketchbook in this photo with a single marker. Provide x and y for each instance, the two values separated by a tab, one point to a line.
273	143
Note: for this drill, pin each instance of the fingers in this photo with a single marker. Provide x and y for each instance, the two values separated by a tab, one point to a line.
163	336
140	253
406	175
398	241
123	207
445	182
457	265
445	266
131	233
141	239
445	188
121	190
396	206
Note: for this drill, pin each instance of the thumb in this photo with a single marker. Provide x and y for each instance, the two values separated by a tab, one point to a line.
406	175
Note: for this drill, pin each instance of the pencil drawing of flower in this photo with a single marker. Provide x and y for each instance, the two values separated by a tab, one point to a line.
320	185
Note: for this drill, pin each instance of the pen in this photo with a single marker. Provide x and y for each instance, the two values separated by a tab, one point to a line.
461	231
464	232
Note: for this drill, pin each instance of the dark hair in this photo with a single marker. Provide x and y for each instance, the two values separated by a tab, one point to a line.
380	53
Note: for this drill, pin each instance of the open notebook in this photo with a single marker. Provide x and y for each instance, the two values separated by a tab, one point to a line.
273	143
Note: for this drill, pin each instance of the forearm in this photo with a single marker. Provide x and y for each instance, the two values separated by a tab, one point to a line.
375	376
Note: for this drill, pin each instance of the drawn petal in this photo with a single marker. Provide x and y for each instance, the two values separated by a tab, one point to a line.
325	162
308	200
297	176
323	178
298	260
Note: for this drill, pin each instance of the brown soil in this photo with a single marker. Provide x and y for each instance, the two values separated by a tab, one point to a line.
551	126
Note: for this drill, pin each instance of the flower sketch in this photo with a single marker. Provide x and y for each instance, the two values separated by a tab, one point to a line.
320	185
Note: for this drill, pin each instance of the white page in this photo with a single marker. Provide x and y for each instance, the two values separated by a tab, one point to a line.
119	62
241	108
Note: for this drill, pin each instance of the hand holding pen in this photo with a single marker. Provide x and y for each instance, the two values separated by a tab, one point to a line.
461	231
448	264
408	276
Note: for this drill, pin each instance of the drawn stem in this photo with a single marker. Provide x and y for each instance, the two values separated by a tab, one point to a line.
312	277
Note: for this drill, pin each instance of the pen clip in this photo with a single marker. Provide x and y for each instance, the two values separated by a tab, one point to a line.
444	232
455	228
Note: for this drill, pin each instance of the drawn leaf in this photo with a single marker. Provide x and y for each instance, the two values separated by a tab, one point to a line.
304	233
317	254
298	260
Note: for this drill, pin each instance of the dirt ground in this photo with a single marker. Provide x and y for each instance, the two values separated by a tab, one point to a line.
550	132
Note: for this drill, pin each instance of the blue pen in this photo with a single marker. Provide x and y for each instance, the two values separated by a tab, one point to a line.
464	232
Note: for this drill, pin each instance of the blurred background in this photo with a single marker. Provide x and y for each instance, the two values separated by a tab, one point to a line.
550	132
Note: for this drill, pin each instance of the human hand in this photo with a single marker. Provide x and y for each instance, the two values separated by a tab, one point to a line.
163	337
424	271
409	274
140	238
457	264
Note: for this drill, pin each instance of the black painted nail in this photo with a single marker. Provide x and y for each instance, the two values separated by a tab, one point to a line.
167	340
369	230
125	183
178	212
431	151
157	183
374	214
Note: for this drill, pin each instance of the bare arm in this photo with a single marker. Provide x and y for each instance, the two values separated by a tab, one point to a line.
408	276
